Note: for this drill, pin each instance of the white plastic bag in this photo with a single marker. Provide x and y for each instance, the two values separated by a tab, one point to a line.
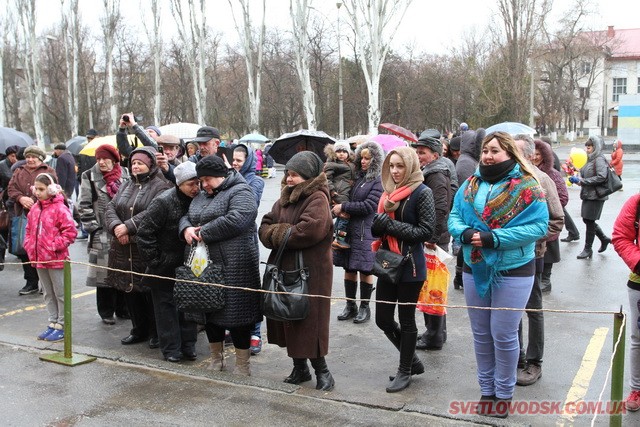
199	258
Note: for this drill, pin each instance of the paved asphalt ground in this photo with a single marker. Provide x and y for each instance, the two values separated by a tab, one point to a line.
133	386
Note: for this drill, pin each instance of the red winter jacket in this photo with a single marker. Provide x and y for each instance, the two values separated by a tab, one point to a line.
624	234
50	231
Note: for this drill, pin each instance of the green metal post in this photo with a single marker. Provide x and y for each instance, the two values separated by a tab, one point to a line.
67	357
617	373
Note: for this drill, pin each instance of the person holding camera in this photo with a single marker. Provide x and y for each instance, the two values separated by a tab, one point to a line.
128	123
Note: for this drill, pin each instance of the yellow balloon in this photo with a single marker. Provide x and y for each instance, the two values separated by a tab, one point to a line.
578	157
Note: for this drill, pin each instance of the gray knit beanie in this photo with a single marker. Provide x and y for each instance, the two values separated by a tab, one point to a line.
307	164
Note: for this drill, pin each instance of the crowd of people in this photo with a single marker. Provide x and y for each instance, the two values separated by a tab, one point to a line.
495	200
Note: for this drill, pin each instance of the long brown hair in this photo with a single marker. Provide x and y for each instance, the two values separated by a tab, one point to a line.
507	143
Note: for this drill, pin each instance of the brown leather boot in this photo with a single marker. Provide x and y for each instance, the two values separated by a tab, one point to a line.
217	356
242	362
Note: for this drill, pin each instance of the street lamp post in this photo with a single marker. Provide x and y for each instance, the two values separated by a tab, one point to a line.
340	100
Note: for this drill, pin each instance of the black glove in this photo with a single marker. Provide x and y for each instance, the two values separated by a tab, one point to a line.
380	223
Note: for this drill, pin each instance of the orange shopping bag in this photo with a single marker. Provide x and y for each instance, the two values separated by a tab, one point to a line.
435	288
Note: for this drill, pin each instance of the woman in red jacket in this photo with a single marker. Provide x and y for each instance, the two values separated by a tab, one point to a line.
616	158
625	241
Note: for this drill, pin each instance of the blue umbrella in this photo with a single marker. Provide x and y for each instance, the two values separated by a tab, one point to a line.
254	137
512	128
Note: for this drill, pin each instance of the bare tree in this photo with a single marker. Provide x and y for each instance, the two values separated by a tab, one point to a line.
110	22
253	59
192	30
71	36
155	42
5	28
31	58
299	10
375	22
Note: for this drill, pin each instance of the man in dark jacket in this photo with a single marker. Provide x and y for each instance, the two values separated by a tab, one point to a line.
162	250
65	169
5	166
438	178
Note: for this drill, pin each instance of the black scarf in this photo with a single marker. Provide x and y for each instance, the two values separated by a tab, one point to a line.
494	173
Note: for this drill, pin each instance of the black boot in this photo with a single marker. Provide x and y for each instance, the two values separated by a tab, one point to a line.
407	353
457	280
587	252
545	282
417	367
300	372
435	338
604	239
351	310
364	313
324	379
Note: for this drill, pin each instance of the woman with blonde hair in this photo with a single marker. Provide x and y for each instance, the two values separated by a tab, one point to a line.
405	220
498	214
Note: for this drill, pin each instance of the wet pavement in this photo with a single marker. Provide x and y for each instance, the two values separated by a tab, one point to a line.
132	385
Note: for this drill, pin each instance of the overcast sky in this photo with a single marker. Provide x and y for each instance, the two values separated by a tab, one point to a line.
433	26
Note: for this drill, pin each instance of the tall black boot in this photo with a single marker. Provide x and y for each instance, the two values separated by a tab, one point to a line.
364	312
435	332
604	239
545	281
407	352
587	252
300	372
417	367
324	379
351	310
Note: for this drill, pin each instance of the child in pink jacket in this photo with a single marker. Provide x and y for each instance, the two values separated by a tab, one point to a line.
50	231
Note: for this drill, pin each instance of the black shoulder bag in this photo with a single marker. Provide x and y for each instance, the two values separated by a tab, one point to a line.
287	297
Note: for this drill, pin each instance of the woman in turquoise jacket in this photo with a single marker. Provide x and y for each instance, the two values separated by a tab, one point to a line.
498	214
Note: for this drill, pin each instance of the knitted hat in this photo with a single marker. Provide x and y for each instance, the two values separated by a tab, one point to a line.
307	164
342	145
60	147
185	172
211	166
107	151
34	150
454	144
12	149
143	157
155	129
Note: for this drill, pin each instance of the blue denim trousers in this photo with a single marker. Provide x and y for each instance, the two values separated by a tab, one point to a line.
495	332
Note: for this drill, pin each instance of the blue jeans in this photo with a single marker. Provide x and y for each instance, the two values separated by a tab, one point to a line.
495	333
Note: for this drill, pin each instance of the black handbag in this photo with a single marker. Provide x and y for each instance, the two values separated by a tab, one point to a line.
611	185
291	301
388	264
192	297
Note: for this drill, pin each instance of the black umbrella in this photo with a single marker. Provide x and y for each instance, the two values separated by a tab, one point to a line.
10	136
75	144
303	140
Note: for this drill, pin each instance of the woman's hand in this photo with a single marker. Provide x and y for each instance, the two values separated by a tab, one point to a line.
336	210
124	239
120	230
191	234
475	240
26	202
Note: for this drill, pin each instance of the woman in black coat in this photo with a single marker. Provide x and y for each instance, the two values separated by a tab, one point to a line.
223	216
405	220
123	216
592	175
360	209
163	251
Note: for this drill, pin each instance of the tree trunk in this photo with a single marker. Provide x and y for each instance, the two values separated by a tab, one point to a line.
300	20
